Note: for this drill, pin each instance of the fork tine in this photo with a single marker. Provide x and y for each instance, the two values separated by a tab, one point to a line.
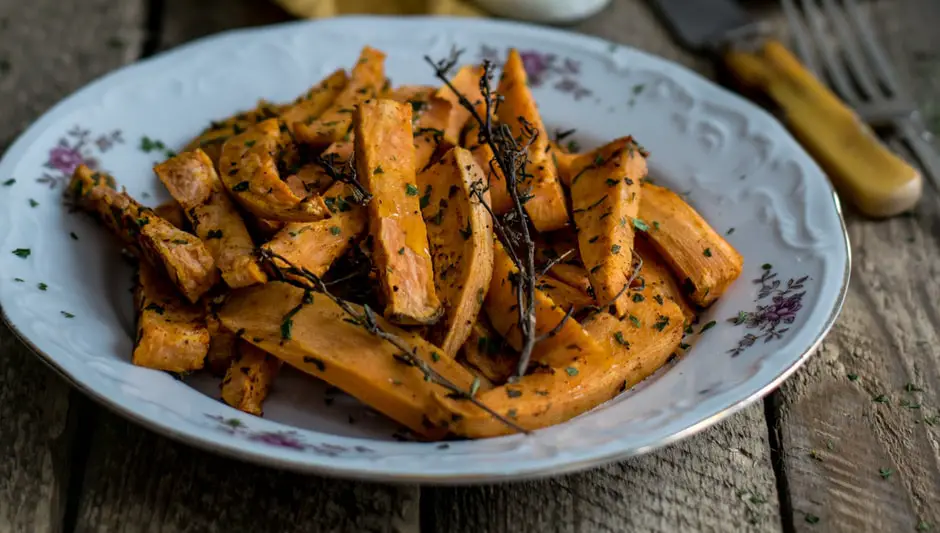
801	39
835	70
850	49
870	44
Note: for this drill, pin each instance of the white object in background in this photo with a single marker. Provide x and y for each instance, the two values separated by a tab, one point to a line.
544	11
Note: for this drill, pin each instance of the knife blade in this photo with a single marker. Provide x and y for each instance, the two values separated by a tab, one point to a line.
875	180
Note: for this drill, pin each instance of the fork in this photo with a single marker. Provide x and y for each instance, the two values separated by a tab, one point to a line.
835	41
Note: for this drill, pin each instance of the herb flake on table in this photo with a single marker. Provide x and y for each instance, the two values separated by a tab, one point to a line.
852	377
881	398
885	473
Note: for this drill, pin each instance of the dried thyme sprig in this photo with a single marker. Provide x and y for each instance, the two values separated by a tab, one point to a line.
289	273
345	173
511	156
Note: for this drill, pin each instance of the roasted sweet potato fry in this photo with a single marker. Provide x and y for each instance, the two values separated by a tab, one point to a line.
565	295
460	233
365	82
181	256
467	83
319	338
315	245
248	167
249	377
656	280
604	204
221	346
547	207
385	165
192	181
171	334
555	395
172	213
486	351
704	262
212	139
430	117
558	350
309	106
573	275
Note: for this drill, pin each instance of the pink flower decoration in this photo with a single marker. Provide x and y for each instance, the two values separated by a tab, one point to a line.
65	159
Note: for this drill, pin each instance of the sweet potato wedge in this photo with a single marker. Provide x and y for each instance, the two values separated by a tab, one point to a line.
171	334
248	167
430	117
547	207
467	83
318	338
385	165
604	204
366	80
573	275
249	377
316	245
172	213
460	234
564	162
486	351
181	256
552	396
221	345
212	139
656	280
565	295
568	343
704	262
310	105
192	181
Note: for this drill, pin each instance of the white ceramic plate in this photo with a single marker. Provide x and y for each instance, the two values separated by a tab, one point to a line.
69	297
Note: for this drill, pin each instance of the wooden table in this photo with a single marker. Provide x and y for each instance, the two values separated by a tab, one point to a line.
817	455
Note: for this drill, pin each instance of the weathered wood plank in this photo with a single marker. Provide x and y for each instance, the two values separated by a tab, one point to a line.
719	480
138	481
48	48
855	463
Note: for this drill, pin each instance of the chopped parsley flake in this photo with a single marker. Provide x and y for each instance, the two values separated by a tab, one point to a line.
42	286
572	371
334	230
410	189
707	327
33	203
66	314
618	336
22	253
640	225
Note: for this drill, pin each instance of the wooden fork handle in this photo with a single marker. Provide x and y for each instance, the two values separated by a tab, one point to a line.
874	179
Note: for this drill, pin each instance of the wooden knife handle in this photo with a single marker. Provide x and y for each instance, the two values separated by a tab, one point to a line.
875	180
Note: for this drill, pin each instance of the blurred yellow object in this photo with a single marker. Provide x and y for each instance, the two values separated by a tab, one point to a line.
876	180
332	8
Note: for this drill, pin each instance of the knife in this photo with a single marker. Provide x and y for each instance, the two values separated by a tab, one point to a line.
865	172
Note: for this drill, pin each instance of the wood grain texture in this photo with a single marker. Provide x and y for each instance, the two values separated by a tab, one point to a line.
48	49
858	464
135	480
138	481
719	480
